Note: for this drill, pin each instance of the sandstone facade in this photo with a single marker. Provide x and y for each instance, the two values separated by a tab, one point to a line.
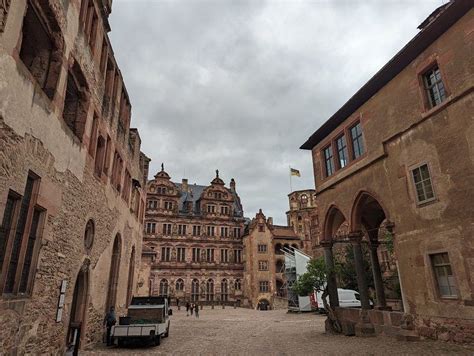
396	163
265	282
72	177
304	218
193	241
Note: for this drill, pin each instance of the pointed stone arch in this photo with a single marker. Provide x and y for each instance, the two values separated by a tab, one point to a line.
333	220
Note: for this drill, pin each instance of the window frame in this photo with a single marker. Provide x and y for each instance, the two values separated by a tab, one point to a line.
330	159
338	151
23	287
362	138
434	276
427	88
413	184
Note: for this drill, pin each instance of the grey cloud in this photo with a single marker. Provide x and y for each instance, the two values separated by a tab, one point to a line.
239	85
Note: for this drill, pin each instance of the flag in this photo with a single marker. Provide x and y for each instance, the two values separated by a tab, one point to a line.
295	172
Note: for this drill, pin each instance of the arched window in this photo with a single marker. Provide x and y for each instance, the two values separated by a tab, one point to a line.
224	290
238	286
131	274
195	290
89	235
179	285
210	290
114	272
164	288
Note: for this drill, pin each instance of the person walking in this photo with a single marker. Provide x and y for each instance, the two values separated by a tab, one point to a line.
109	321
196	310
188	306
191	308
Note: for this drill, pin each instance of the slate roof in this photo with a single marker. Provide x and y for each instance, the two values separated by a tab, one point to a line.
195	195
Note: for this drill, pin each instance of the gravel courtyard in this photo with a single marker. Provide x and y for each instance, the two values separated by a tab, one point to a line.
250	332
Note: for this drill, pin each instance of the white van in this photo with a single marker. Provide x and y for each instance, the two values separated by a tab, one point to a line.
348	298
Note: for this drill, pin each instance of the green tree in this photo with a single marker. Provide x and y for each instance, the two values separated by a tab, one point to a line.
346	270
315	280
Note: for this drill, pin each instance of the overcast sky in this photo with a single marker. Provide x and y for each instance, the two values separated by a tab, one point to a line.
239	85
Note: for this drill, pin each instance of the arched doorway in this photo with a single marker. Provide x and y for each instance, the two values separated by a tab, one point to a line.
369	218
78	314
263	304
114	273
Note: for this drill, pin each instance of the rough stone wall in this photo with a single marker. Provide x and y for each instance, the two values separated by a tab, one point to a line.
34	137
400	133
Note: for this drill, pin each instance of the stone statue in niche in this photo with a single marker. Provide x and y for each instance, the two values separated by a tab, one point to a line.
203	255
173	254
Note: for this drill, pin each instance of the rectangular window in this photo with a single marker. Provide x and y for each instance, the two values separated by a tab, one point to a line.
224	231
150	228
423	186
38	49
75	101
167	229
224	210
168	205
236	231
211	208
262	248
328	161
444	275
165	254
19	238
342	153
211	231
196	254
238	256
263	265
264	286
181	230
196	230
210	255
224	255
434	86
357	140
181	254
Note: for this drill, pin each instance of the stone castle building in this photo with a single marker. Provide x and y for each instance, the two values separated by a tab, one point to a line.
395	163
193	241
303	217
264	261
72	177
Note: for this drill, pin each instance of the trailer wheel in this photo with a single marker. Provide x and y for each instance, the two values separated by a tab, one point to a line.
167	333
157	340
120	343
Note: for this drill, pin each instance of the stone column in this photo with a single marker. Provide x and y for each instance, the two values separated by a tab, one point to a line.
332	283
355	238
379	289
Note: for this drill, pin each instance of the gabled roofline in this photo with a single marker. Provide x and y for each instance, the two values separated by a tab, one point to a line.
451	14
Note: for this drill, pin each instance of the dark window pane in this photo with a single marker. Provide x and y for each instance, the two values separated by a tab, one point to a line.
29	251
6	227
10	280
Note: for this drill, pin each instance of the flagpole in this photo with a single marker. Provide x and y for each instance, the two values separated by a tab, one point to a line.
291	187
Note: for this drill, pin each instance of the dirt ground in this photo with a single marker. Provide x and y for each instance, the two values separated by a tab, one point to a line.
250	332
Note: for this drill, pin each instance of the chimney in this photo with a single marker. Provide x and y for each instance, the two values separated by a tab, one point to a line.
232	184
184	185
270	220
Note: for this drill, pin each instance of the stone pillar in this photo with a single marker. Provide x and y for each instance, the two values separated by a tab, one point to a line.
332	283
355	239
379	289
363	327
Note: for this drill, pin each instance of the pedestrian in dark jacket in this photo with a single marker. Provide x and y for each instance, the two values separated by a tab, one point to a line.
109	321
196	310
191	308
188	306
